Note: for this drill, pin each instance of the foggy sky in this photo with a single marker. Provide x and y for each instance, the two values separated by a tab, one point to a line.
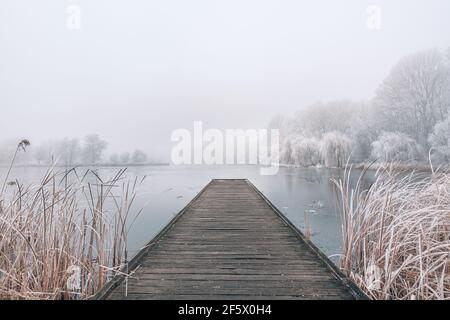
136	70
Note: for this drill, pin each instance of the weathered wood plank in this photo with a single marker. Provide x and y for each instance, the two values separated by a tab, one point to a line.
231	243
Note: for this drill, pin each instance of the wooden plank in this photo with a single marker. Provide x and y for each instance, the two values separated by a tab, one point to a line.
230	242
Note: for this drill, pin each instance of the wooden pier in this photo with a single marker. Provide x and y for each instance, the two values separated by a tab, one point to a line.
230	242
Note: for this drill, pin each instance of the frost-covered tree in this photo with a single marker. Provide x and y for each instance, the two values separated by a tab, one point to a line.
93	149
320	118
60	152
125	158
43	153
139	156
396	146
68	151
411	100
362	133
286	151
282	124
335	149
114	158
440	142
306	151
415	95
40	154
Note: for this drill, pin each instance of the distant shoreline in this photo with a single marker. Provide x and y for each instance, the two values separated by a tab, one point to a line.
420	167
85	165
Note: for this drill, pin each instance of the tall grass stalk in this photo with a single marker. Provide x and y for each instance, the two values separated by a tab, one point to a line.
22	145
396	234
65	237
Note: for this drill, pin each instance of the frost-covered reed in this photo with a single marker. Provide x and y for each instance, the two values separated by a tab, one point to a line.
63	238
396	234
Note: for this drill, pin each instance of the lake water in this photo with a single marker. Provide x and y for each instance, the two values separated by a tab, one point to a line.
167	189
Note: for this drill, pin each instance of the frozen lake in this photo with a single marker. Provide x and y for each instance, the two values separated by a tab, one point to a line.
167	189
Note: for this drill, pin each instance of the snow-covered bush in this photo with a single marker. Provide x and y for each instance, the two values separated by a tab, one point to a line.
440	142
396	146
335	148
306	151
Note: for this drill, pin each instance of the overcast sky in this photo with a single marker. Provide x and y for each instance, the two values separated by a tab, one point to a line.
138	69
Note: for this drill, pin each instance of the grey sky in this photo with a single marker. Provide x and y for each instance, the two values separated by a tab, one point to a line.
138	69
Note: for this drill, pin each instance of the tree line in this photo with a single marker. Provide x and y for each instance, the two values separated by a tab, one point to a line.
406	121
91	150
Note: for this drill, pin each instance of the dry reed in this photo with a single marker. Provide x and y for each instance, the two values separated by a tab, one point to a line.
396	234
63	238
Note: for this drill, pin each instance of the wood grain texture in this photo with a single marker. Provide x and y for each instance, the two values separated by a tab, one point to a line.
229	243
